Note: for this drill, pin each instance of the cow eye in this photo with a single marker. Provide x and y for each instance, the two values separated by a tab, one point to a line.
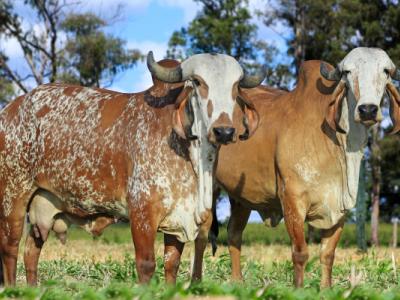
346	72
196	82
387	72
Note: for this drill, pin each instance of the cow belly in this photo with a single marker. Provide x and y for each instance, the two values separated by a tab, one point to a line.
180	221
326	207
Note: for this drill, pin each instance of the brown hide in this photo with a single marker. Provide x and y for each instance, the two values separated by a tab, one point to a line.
293	166
292	126
101	152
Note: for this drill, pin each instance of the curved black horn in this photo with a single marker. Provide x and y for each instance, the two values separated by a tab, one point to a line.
250	81
396	74
333	75
170	75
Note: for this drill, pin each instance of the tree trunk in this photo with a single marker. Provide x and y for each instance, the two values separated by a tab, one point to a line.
299	43
376	180
361	210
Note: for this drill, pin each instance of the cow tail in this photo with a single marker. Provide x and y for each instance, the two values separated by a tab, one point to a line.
214	230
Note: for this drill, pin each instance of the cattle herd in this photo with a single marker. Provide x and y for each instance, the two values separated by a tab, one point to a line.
94	157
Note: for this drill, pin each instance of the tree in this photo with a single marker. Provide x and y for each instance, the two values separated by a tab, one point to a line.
318	29
88	57
39	48
225	26
90	54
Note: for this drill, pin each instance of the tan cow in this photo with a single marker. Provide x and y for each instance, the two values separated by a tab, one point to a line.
146	157
304	160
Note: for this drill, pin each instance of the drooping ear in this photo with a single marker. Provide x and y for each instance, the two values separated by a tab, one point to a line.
182	119
335	107
251	118
394	97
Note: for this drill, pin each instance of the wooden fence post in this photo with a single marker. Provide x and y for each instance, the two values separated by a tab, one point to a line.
395	221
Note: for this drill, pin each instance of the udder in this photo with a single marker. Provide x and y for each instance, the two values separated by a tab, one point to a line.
46	214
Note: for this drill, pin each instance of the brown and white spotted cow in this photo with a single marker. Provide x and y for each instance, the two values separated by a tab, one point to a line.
146	157
303	162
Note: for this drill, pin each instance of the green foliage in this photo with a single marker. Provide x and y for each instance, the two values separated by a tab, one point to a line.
254	233
7	92
222	26
91	56
225	26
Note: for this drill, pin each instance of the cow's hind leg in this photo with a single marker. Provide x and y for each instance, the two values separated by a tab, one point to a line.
11	227
33	246
172	257
237	223
330	238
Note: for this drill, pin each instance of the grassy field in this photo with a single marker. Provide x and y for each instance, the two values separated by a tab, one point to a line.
104	269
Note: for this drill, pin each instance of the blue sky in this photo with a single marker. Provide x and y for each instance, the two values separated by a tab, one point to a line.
145	25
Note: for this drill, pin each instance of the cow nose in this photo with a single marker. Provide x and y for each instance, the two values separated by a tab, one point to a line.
224	135
368	111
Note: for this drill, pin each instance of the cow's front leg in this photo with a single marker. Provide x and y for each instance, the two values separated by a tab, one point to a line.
33	247
200	246
330	238
144	218
237	223
172	257
294	215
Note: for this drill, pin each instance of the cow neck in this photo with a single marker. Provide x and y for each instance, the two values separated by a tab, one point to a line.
353	144
202	155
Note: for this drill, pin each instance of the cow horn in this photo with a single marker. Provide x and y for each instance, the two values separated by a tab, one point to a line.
333	75
251	81
170	75
396	74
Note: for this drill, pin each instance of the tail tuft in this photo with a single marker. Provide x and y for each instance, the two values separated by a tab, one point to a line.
214	231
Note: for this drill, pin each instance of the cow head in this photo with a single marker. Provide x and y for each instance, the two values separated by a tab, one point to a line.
363	76
211	91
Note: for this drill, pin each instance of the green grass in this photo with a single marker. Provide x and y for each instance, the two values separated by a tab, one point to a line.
254	233
85	279
64	279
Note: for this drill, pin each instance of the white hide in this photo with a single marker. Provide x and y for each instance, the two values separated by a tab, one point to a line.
220	72
362	69
366	67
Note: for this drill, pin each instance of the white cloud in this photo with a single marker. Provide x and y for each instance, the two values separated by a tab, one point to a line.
140	74
190	8
11	47
109	6
159	49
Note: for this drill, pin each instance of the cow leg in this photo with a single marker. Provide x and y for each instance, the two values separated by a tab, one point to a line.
330	238
144	231
10	233
294	220
33	247
200	245
172	257
237	222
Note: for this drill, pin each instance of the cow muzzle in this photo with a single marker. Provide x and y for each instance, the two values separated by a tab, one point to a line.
368	113
223	135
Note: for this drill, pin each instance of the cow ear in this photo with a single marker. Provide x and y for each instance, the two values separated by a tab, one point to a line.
182	119
394	97
334	111
251	118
